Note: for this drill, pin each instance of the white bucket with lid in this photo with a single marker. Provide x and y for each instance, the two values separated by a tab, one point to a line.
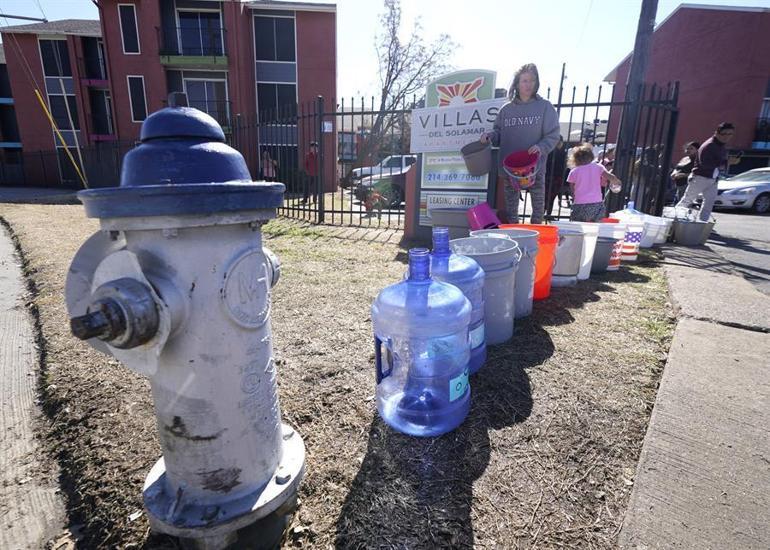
590	232
499	258
525	275
569	252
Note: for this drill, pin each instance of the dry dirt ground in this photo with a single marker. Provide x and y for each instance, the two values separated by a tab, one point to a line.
546	457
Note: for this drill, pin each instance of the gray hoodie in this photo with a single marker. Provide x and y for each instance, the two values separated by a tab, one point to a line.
519	126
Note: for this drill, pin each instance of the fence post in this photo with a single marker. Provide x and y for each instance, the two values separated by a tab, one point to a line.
672	123
320	140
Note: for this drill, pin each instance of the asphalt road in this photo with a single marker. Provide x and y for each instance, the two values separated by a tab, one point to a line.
744	240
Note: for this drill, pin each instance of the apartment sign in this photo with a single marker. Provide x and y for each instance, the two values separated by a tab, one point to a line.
459	108
439	129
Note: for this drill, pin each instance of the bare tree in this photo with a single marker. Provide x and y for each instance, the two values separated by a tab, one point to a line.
405	68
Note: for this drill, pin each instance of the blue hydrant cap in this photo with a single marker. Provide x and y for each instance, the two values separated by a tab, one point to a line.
182	167
181	145
181	122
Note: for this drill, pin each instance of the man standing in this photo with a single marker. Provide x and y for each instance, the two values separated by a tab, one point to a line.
311	169
712	156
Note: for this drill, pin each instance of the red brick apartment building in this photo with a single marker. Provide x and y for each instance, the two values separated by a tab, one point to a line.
234	59
721	57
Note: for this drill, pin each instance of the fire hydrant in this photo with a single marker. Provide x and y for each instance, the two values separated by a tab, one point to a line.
176	286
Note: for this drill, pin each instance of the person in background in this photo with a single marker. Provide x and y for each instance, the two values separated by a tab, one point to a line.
269	165
607	158
526	123
646	169
683	168
310	167
556	166
587	179
711	156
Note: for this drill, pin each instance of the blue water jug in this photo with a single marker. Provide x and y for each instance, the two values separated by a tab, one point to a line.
467	275
422	351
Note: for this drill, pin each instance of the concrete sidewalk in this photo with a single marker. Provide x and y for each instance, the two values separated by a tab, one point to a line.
703	478
31	506
38	195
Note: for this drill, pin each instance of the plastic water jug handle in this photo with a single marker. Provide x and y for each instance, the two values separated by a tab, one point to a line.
378	361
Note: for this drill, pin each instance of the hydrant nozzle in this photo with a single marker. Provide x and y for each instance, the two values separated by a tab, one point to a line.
106	323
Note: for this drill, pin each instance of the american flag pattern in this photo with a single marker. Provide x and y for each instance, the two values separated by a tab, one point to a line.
631	245
617	254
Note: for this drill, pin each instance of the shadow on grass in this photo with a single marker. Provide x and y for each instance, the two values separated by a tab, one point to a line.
557	308
417	492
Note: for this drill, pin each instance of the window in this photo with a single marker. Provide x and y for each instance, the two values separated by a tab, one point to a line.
137	99
209	96
200	33
392	162
59	111
274	38
56	58
101	111
276	100
128	30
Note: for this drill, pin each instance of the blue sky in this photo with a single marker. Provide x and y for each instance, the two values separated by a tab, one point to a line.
591	36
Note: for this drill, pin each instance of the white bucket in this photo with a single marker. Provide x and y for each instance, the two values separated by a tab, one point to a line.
525	275
499	258
453	218
590	233
658	229
616	231
648	231
569	253
631	240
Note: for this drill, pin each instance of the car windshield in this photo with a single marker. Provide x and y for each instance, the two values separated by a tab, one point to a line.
751	177
392	162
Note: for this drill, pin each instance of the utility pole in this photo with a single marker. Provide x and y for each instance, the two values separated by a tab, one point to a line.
624	157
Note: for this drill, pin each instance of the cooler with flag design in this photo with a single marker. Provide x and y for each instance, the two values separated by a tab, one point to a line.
632	240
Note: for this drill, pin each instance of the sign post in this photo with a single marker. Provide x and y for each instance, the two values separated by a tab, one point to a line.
459	108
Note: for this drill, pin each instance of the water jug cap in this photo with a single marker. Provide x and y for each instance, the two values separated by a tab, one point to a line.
441	241
419	264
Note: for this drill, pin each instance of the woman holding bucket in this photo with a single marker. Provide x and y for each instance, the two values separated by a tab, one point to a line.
526	123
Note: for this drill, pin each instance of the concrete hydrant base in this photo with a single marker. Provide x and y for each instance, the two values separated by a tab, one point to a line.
172	515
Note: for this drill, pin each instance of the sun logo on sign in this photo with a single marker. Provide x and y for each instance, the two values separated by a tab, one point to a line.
459	92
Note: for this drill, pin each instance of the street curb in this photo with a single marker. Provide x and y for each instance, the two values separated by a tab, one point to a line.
701	441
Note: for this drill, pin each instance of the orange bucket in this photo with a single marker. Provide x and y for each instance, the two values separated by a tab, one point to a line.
548	238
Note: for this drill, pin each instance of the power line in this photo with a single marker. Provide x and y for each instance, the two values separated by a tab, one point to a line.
40	7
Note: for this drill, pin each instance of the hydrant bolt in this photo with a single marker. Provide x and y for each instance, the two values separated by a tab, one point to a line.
106	322
123	314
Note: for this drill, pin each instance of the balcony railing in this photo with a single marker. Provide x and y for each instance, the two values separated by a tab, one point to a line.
219	110
762	132
191	41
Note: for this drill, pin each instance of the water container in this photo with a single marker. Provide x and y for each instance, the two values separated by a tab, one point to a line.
422	351
525	275
590	233
568	257
499	258
467	275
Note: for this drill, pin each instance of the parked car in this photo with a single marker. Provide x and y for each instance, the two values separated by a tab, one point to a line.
749	190
394	164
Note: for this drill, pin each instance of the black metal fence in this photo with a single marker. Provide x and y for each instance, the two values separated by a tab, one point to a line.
347	162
